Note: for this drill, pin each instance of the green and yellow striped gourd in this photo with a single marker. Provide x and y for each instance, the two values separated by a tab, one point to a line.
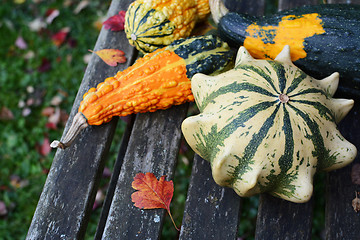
154	24
266	126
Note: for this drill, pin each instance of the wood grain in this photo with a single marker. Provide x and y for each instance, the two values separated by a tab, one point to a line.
153	147
68	195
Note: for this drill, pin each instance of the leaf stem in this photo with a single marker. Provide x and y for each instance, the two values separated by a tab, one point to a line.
168	210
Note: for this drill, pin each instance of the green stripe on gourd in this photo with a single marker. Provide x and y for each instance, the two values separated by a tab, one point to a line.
266	126
146	36
191	50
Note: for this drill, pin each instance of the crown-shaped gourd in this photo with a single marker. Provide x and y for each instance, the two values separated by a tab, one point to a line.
266	126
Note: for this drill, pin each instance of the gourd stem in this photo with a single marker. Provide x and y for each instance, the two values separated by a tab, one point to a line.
218	10
78	124
284	98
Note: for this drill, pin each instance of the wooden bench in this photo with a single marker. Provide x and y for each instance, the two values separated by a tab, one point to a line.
151	144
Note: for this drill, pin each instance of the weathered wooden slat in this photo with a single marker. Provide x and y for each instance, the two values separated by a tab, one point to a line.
277	218
68	195
211	211
341	221
114	178
280	219
153	147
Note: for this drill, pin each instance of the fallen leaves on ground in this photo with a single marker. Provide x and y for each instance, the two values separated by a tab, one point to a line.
82	5
17	182
152	193
116	22
6	114
37	24
99	199
60	37
3	209
55	116
44	66
44	148
51	14
20	43
111	56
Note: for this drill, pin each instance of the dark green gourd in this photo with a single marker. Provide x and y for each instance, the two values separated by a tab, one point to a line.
323	39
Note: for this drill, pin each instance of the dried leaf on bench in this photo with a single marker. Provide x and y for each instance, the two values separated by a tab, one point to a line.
356	202
152	193
111	56
116	22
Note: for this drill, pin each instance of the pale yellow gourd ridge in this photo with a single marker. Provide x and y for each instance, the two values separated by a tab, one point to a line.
266	126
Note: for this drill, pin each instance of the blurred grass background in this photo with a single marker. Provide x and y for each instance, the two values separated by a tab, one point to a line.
44	53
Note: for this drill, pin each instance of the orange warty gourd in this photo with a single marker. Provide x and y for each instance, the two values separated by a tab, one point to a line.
143	87
156	81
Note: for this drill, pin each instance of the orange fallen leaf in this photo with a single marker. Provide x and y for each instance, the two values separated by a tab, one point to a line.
152	193
111	56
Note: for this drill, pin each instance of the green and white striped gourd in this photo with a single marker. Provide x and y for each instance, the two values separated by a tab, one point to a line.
266	126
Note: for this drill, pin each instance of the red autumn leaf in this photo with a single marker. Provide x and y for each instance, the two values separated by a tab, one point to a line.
60	37
45	65
111	56
152	193
44	149
116	22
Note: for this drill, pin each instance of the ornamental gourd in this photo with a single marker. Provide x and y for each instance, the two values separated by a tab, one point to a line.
154	24
266	126
323	38
159	80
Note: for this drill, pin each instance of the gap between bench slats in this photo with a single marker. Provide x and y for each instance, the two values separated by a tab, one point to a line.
277	218
114	177
341	221
75	173
211	211
153	147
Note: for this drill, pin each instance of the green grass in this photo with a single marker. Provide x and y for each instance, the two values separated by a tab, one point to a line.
21	81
